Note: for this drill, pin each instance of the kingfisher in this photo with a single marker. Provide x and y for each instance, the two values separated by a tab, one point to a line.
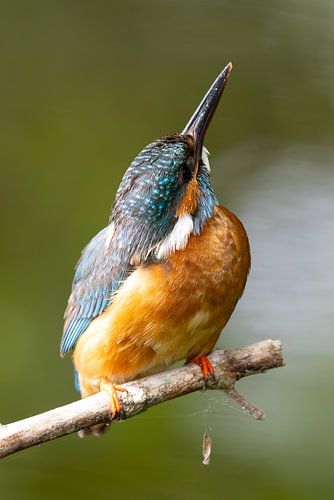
158	284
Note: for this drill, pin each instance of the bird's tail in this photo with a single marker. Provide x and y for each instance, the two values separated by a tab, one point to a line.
95	430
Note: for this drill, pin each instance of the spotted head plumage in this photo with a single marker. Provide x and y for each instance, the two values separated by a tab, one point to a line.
162	185
163	198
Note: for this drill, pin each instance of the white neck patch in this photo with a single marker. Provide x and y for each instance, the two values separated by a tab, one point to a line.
177	238
205	159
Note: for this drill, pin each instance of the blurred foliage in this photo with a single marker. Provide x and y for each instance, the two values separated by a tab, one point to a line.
85	85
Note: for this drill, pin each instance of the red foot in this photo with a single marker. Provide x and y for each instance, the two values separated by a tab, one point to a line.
115	403
206	367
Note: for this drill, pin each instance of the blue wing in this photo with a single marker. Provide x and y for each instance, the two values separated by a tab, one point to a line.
98	276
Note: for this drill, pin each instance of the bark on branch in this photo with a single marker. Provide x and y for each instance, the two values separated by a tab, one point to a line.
229	367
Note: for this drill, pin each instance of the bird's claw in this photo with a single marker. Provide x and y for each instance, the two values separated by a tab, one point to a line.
207	369
115	402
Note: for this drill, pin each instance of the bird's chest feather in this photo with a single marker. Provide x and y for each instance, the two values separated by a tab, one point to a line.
172	310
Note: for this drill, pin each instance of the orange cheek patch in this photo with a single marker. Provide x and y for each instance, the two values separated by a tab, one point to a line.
189	202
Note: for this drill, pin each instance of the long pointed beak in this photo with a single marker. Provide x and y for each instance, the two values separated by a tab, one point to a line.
200	120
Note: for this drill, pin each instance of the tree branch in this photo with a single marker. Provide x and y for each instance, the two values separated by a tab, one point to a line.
229	367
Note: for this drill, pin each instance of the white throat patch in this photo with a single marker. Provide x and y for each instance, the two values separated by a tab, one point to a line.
205	159
177	238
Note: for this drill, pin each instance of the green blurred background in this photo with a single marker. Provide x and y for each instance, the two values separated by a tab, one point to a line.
84	86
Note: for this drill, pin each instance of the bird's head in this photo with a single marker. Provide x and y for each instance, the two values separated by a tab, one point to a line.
167	190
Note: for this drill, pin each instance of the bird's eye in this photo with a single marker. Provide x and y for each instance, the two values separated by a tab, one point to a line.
187	170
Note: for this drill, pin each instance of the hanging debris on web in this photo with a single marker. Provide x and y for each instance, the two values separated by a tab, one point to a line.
206	449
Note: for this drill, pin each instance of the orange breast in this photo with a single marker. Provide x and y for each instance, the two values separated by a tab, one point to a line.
171	311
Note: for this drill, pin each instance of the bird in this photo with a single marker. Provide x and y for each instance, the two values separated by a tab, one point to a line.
158	284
